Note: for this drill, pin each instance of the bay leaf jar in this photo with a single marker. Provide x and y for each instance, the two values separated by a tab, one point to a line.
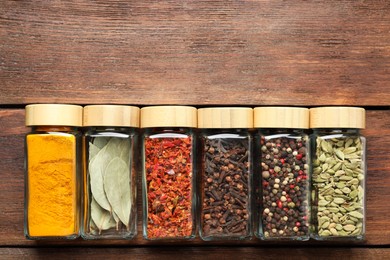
283	180
110	144
339	173
225	173
168	179
52	171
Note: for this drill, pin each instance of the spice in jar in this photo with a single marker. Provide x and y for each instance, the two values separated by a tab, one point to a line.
284	178
339	173
226	172
168	176
168	164
285	187
52	171
109	197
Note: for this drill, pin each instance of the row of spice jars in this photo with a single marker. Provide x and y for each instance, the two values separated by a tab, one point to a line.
245	181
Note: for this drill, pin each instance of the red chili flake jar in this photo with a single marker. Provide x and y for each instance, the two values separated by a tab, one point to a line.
282	149
168	180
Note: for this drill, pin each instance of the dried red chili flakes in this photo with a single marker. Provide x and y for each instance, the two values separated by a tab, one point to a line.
168	163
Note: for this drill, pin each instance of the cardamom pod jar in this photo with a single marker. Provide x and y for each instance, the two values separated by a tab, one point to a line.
168	179
52	171
225	173
282	181
110	144
339	173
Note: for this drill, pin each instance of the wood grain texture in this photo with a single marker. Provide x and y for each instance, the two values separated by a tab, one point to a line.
12	132
195	52
196	253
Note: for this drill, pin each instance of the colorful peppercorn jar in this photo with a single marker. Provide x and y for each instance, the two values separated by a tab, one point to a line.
339	173
110	143
168	180
225	173
52	171
282	181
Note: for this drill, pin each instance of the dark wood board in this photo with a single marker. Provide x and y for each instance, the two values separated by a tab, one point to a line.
196	52
12	132
299	53
197	253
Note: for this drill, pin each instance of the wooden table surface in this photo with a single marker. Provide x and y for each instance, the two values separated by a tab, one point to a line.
202	53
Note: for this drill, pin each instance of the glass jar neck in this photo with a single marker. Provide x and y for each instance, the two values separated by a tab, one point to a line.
348	131
267	131
54	128
224	130
109	128
179	130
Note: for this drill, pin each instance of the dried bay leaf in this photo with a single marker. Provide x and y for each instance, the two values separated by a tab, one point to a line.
96	178
93	229
124	148
116	218
97	167
93	151
113	147
117	188
100	142
102	218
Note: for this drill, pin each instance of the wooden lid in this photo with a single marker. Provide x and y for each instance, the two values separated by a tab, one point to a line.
338	117
168	116
225	117
281	117
111	115
54	115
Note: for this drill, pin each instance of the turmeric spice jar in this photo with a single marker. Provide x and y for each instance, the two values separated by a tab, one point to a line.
52	191
109	171
168	179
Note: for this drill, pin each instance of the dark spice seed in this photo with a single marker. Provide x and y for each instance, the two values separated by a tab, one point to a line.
225	187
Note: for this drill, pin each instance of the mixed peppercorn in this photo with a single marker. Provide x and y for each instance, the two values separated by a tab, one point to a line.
284	187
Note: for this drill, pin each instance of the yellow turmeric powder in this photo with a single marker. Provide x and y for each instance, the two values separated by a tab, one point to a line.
52	209
52	187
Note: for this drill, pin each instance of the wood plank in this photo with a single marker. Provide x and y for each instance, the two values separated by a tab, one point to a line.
196	52
196	253
12	132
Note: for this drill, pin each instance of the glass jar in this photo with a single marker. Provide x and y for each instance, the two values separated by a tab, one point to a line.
168	180
339	173
225	173
110	143
52	171
283	180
